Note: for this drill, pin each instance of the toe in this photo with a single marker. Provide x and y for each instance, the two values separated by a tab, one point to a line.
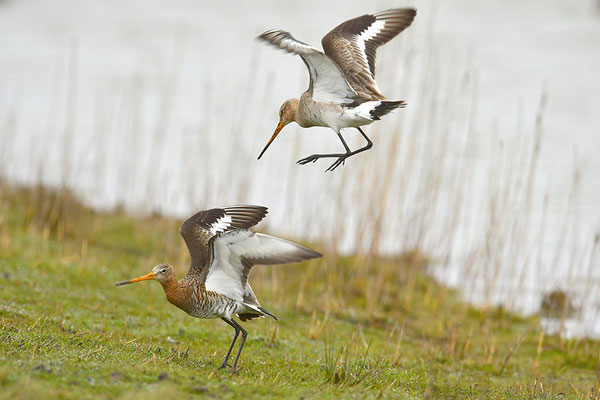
337	163
306	160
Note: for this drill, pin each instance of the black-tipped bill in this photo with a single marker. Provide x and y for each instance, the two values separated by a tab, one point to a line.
141	278
280	126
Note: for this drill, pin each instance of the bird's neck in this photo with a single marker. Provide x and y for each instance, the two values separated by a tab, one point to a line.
175	292
179	293
306	116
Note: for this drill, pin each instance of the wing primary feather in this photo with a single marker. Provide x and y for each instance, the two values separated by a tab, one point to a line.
274	250
199	230
235	252
327	81
353	45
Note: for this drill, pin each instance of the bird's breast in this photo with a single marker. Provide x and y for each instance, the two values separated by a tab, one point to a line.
181	298
312	113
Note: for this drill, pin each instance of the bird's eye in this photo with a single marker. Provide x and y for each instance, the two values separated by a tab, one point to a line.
163	271
281	112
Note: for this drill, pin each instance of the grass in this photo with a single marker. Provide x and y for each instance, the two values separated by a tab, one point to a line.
350	326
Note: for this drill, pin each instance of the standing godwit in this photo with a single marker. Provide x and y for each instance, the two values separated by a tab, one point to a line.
342	92
222	251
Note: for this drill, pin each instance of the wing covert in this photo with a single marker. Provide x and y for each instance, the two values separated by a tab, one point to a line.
327	81
200	229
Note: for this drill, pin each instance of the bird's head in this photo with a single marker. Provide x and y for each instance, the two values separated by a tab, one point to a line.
162	273
287	114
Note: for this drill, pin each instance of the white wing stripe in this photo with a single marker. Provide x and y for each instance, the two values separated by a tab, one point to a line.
373	30
220	225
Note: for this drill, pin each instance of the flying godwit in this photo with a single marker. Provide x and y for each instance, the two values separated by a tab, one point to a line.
342	92
222	251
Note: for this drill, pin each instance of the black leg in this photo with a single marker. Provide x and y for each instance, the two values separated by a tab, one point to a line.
369	143
244	335
315	157
237	332
343	142
341	158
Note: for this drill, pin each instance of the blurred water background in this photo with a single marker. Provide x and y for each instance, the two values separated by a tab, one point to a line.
492	169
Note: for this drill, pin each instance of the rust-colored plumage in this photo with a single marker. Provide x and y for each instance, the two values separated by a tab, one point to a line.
222	252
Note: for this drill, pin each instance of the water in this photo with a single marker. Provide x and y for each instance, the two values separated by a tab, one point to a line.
164	107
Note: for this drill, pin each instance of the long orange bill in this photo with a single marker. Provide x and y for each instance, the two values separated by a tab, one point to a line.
141	278
280	126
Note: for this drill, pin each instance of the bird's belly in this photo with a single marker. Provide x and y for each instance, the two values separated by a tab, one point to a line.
351	119
205	314
219	307
331	115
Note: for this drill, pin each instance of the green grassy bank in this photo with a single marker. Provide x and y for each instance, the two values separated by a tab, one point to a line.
350	326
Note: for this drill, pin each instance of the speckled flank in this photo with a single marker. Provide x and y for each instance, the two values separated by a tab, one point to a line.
191	296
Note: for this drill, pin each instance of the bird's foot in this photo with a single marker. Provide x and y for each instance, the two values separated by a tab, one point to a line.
308	159
337	163
341	158
224	365
232	370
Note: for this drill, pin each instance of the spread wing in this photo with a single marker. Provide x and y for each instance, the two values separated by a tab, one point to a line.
200	229
327	81
353	44
236	252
